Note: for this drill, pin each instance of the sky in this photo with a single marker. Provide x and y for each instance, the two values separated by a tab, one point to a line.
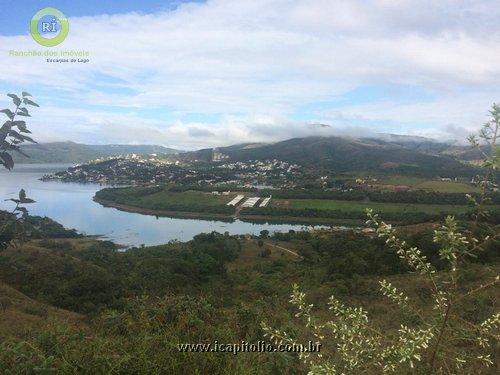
193	74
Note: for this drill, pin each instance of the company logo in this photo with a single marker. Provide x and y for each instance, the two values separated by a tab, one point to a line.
49	27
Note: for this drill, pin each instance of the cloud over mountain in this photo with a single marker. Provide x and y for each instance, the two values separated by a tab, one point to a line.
222	71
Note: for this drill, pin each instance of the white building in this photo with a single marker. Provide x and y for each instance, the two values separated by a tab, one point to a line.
236	200
250	202
265	202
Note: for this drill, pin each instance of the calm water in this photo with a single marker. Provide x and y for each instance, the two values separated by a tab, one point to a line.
71	204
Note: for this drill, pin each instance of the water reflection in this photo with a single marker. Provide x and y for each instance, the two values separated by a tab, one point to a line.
71	204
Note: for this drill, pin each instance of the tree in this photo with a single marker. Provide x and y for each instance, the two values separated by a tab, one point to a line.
488	135
10	141
422	346
264	233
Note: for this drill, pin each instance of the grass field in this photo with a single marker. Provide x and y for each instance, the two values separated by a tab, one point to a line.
418	183
187	197
401	180
198	200
447	187
357	206
161	201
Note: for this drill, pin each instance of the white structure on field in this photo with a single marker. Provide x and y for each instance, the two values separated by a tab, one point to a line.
265	201
250	202
236	200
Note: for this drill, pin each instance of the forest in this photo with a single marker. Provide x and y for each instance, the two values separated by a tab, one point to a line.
141	303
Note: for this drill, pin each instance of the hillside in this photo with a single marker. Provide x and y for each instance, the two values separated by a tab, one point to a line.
20	313
420	157
430	146
71	152
143	303
347	155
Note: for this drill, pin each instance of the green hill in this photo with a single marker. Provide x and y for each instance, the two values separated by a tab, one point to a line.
347	155
71	152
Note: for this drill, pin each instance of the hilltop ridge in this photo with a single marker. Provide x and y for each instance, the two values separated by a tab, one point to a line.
72	152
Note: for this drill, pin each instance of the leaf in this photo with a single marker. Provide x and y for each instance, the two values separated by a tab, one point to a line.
23	111
23	198
18	149
30	102
8	112
21	137
16	135
26	93
5	145
8	146
15	99
21	125
7	160
4	130
29	139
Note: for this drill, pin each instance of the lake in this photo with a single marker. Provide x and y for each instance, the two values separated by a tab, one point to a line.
71	204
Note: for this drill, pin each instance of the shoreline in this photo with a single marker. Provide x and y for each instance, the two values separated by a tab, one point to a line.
224	217
148	211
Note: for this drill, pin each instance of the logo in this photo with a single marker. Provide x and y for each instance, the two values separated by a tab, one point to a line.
49	27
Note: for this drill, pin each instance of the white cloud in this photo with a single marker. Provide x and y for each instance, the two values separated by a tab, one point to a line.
253	59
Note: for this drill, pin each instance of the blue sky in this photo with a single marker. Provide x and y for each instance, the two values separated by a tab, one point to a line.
197	74
16	14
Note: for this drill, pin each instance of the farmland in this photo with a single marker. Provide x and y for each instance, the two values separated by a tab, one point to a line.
167	200
188	197
447	187
162	200
387	182
361	206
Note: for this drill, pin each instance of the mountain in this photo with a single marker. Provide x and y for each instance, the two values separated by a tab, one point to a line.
433	147
346	155
71	152
394	155
403	138
468	153
418	144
